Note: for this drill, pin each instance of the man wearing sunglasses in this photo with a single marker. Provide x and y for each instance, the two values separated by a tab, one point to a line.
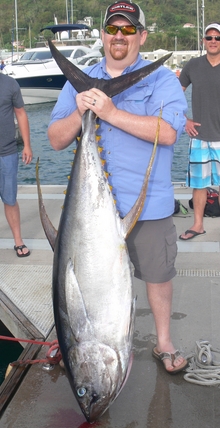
127	126
204	129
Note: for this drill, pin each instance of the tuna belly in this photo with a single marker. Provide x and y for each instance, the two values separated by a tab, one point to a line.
102	295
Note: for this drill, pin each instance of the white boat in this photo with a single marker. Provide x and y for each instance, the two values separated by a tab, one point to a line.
38	74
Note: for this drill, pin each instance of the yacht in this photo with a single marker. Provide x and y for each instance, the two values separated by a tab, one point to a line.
38	74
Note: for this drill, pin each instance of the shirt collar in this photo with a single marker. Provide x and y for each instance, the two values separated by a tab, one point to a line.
128	69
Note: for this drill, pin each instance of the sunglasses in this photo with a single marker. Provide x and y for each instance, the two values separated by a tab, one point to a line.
126	30
209	38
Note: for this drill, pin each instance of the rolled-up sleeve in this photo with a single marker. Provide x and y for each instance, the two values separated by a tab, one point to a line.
168	95
65	105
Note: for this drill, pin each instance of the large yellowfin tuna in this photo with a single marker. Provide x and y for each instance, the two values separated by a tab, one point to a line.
94	306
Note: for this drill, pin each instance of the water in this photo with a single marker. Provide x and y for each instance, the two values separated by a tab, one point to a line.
180	160
10	351
55	166
54	169
179	167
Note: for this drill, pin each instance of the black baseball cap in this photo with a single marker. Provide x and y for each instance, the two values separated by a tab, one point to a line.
129	10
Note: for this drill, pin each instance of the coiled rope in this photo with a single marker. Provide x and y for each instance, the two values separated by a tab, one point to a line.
53	355
203	367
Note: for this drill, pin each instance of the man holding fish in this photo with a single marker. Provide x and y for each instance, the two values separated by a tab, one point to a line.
128	125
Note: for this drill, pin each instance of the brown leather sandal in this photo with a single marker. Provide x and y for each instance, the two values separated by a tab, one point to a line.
172	357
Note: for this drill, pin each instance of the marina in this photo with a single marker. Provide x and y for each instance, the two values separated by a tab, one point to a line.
39	394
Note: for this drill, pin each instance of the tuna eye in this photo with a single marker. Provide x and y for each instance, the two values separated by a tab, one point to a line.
81	391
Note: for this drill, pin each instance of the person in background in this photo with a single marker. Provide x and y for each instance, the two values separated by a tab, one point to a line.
2	65
128	124
11	103
203	73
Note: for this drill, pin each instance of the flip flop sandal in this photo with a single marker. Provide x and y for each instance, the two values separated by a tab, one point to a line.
20	247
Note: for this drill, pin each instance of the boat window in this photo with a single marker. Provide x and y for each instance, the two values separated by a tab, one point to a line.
67	53
26	56
41	55
90	61
78	53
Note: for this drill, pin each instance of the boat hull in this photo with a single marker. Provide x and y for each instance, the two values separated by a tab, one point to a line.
40	78
39	96
41	89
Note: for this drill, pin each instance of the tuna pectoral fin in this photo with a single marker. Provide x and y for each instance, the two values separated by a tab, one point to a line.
49	229
133	215
78	319
83	82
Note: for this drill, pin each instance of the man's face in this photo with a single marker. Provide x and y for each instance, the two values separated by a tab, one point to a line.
212	46
119	46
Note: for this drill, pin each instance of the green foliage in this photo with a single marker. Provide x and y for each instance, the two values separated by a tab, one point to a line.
168	15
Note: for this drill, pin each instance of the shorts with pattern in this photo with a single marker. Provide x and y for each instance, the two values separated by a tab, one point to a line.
204	164
152	248
8	178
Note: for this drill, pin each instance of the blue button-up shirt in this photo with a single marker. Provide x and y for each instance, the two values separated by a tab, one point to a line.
127	156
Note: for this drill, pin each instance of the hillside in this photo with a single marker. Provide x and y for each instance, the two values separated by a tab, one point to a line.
169	16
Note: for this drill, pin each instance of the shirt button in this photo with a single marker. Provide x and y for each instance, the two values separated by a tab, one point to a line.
110	129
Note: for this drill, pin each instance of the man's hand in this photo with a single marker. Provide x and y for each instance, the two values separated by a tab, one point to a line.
27	155
190	128
97	101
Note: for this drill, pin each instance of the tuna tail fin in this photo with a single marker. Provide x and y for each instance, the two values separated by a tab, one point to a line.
49	229
82	82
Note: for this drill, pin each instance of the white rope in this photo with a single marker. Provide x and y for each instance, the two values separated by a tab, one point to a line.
203	368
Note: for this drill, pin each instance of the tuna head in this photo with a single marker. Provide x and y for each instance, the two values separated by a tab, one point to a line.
95	377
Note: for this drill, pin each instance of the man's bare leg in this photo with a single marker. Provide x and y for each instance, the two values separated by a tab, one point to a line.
12	214
160	300
199	201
